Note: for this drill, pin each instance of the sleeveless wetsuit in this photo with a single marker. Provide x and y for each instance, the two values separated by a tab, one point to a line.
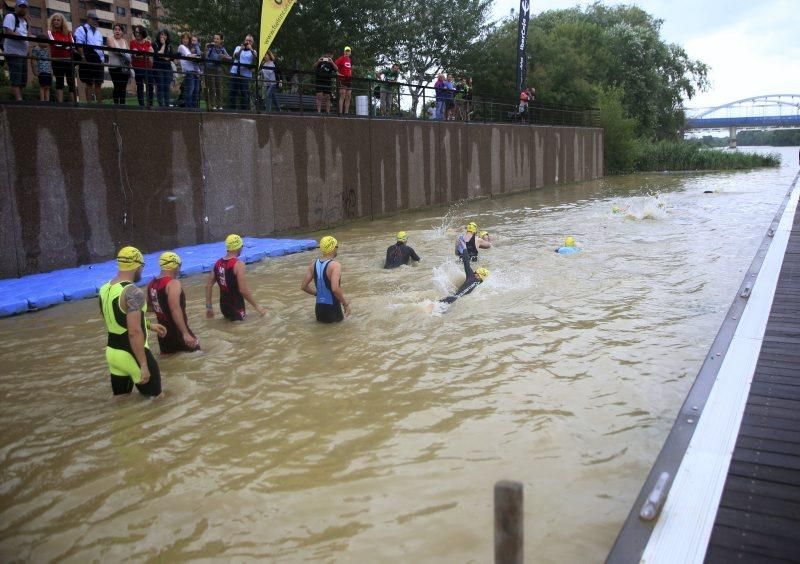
158	301
461	244
122	364
328	308
231	301
469	284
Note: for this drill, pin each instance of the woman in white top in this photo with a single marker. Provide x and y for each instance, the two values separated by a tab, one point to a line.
119	65
191	71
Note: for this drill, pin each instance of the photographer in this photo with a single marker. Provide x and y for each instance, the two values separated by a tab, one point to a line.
244	59
324	70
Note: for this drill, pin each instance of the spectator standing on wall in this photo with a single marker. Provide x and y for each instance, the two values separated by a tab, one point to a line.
191	71
244	59
272	79
162	67
465	90
325	70
119	65
440	96
450	97
142	64
42	69
523	103
17	49
88	38
345	66
391	76
62	53
215	52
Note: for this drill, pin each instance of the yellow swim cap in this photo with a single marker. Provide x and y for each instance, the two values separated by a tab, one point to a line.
483	234
169	260
233	242
129	258
482	273
402	236
472	227
328	244
569	241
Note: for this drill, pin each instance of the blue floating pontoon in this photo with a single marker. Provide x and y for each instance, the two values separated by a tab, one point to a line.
37	291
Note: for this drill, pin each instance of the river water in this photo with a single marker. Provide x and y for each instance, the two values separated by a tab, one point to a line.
380	439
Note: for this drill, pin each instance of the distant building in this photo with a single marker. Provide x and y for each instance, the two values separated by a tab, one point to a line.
127	13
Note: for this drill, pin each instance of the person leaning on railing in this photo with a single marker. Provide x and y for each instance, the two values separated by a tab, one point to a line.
62	54
41	68
215	52
142	64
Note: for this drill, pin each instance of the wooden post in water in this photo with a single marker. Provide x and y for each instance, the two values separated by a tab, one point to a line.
508	522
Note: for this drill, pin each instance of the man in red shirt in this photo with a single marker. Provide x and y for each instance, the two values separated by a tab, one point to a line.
228	273
165	297
345	65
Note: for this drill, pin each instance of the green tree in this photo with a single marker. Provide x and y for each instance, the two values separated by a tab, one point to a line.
577	53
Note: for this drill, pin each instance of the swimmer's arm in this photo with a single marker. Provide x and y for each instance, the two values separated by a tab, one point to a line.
238	270
134	300
210	281
466	259
414	255
336	289
484	243
305	285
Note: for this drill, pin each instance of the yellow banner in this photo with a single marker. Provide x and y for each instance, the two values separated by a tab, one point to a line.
273	12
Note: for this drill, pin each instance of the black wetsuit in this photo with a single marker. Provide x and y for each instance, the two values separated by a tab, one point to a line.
399	254
469	284
472	249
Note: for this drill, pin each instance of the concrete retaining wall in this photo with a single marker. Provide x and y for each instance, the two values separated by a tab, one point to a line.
78	183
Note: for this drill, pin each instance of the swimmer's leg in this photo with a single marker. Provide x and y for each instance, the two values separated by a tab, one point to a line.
153	386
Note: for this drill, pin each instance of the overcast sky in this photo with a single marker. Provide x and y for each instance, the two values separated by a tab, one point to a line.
752	47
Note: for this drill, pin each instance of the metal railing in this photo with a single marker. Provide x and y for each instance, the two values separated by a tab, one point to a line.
162	84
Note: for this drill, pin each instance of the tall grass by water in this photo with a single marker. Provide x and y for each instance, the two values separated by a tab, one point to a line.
689	156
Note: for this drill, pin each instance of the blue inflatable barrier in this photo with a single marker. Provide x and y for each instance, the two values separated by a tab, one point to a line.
37	291
567	250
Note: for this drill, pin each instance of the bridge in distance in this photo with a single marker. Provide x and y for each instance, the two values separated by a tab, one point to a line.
770	111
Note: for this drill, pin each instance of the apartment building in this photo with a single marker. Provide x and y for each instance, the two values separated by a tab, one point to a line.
127	13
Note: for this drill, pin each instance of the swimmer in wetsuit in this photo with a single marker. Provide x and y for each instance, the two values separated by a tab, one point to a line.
326	274
229	274
470	242
400	253
166	299
474	279
123	305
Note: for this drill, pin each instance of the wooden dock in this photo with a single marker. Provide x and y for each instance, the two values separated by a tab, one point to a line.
759	512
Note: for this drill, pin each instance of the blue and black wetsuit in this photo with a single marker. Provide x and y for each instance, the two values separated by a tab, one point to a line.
469	284
328	308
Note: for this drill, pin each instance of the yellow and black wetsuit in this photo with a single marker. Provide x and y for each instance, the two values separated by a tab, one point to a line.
122	363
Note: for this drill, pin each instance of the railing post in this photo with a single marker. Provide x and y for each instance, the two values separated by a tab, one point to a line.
508	522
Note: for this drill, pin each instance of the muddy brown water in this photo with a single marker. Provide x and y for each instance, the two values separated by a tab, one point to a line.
380	439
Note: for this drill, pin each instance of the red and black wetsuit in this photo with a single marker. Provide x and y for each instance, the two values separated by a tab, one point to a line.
158	302
231	301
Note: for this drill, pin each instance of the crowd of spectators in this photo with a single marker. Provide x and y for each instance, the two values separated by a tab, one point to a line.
158	68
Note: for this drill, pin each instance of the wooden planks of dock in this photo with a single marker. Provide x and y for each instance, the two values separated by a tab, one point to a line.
759	514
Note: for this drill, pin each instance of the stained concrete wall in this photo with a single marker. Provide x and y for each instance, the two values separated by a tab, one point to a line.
78	183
